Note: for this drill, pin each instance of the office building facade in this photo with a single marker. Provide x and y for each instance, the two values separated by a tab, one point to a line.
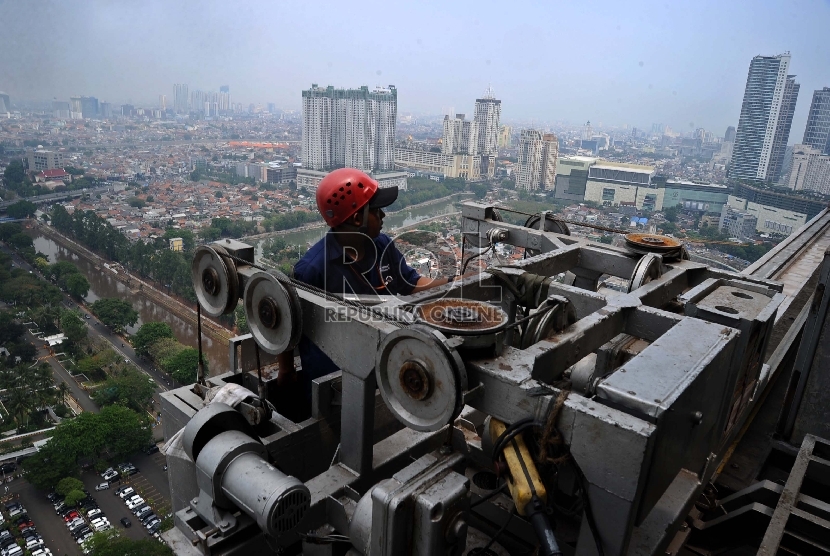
810	170
438	165
40	159
817	131
349	127
488	119
572	177
5	103
766	117
737	224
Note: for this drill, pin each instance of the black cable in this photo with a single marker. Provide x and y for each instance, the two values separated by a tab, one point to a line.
489	496
512	432
498	533
200	370
464	267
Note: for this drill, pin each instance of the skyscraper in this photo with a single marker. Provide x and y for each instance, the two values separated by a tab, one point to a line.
488	119
766	117
180	98
729	136
817	132
460	136
538	153
163	102
349	127
89	107
5	103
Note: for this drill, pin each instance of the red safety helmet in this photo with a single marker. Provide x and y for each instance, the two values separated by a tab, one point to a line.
345	191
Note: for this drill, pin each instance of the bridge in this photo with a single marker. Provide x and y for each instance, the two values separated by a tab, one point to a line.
55	197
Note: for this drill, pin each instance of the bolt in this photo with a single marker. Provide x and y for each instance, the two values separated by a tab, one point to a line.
415	380
268	313
210	281
697	417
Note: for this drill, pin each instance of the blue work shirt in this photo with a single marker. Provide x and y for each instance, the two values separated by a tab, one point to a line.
326	266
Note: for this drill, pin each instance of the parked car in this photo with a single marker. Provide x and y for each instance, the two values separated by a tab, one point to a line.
142	510
148	518
41	552
135	503
13	550
152	523
34	543
125	521
71	515
126	492
16	511
27	523
152	449
109	474
94	512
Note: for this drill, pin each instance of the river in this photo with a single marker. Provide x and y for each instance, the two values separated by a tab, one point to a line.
103	283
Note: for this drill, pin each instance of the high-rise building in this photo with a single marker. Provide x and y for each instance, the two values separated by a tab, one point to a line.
40	159
488	118
89	107
766	116
505	137
460	136
225	89
349	127
5	103
163	102
105	110
817	132
75	108
587	131
777	161
729	136
810	170
536	168
60	109
180	98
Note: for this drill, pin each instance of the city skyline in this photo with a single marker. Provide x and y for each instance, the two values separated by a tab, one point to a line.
682	66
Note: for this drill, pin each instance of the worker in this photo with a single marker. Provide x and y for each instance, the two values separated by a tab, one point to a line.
354	257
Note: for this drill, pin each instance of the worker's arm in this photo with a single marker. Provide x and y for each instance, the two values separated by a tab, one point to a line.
425	283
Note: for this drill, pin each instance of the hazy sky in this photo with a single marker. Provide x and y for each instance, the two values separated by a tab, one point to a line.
616	62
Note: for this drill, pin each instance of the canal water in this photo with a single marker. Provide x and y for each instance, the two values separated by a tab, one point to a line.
103	283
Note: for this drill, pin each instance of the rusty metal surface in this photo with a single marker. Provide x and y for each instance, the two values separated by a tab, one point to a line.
653	242
461	316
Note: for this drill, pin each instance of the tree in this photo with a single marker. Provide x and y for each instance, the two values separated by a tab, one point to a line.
149	333
128	387
479	189
73	326
22	209
109	543
218	194
21	241
67	485
183	365
115	313
670	214
135	202
115	432
77	285
73	497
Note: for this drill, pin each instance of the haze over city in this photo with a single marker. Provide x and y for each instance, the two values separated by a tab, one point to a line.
608	62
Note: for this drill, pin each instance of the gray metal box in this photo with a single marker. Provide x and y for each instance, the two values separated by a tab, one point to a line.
681	391
751	309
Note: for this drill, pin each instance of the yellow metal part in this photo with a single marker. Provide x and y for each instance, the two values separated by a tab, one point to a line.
524	480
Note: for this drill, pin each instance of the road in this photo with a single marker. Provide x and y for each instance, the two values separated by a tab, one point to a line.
49	197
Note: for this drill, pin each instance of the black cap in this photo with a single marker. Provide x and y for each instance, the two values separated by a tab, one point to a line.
384	197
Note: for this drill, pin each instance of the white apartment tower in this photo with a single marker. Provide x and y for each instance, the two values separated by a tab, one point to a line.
538	153
488	119
180	98
349	127
460	136
766	116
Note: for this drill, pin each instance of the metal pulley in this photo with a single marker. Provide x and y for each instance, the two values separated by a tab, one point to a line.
421	379
215	280
273	310
642	244
550	225
649	267
480	242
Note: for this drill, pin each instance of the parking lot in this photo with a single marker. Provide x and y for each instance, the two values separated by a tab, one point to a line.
50	525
